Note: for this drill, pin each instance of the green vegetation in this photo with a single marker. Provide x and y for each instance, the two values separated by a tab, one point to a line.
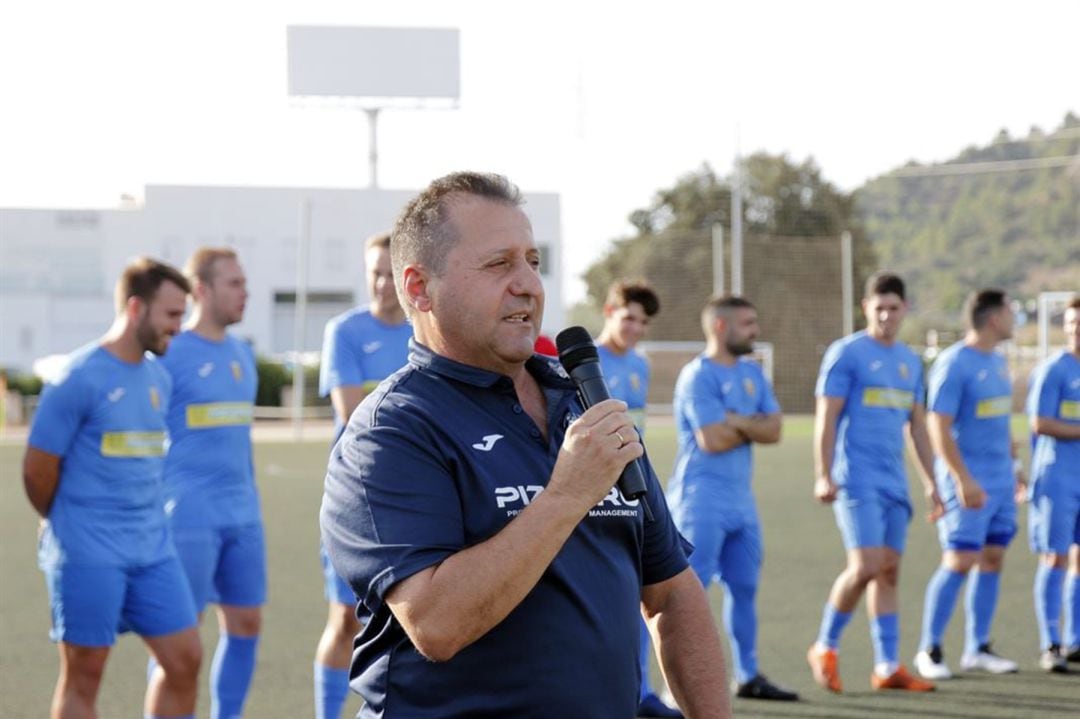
274	376
947	228
24	384
672	244
949	233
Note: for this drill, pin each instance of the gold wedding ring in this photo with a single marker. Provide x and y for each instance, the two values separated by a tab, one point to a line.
622	442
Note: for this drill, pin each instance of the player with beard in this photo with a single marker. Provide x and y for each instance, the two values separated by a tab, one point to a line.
724	405
211	497
93	470
869	393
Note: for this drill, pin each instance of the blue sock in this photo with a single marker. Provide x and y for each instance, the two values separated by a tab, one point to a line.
230	675
1072	610
982	596
833	622
938	605
644	648
1049	581
331	688
740	619
885	635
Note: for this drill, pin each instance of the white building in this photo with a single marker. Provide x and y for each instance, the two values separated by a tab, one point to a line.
58	266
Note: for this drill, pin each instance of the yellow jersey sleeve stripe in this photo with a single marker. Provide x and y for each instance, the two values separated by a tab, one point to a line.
133	444
1069	409
888	398
219	414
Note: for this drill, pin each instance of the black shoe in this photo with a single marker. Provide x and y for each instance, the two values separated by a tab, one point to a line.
1074	654
651	707
761	688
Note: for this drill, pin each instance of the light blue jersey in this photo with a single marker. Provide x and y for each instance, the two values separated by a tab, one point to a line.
209	478
359	349
627	378
705	393
880	385
106	419
973	388
1055	393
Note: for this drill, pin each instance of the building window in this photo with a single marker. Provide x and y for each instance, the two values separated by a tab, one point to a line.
545	258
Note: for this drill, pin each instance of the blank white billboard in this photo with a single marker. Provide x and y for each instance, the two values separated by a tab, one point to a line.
374	62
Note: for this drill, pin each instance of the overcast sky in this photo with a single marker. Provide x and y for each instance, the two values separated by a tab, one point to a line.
601	102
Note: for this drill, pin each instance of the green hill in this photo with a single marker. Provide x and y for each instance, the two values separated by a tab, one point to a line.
1006	214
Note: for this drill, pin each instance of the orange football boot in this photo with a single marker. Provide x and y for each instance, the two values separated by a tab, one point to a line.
901	679
825	666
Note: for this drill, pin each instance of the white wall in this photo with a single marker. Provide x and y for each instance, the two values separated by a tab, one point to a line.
57	267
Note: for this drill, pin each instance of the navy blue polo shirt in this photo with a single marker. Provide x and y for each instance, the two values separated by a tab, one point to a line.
441	457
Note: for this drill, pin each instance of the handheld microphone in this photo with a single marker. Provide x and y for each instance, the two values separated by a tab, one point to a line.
581	360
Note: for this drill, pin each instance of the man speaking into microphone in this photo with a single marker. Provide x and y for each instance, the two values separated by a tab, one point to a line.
471	502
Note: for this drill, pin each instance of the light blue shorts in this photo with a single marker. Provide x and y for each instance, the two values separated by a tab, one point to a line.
726	554
969	530
1054	522
335	588
225	565
91	605
870	518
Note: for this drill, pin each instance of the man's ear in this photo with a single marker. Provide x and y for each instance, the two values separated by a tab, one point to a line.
414	280
720	324
198	290
135	308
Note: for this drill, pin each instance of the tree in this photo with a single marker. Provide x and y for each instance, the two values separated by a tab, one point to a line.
672	245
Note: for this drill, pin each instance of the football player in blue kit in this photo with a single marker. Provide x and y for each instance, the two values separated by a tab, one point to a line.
360	348
628	309
211	497
93	471
1053	408
980	481
723	406
869	394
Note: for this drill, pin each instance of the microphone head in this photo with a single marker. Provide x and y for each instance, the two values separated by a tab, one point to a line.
576	347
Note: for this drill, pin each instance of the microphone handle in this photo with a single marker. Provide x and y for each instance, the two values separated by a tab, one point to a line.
592	390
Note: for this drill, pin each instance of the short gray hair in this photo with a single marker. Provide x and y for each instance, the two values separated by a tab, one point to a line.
423	234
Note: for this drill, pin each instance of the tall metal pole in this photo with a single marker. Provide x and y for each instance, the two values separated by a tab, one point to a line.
373	147
847	281
736	231
300	319
718	258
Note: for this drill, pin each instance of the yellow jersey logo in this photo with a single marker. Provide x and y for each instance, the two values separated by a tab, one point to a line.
219	414
237	372
133	444
635	382
749	387
155	398
993	407
904	371
887	398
